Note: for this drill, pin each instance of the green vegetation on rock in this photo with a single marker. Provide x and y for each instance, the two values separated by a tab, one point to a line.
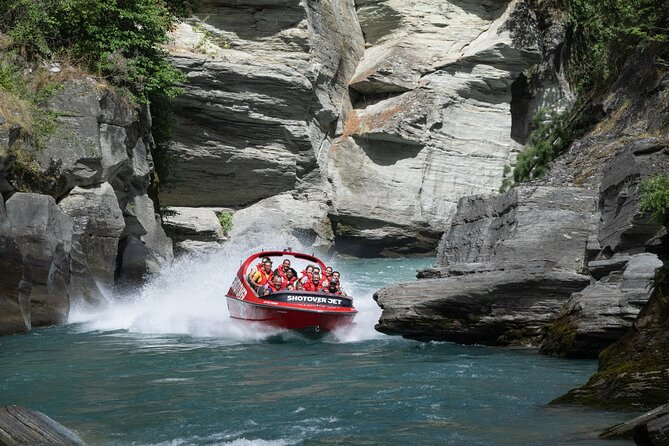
225	219
604	36
655	197
117	39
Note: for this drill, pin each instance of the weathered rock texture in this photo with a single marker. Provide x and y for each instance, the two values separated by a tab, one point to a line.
628	146
505	268
267	109
97	164
20	426
634	372
649	429
435	112
603	312
42	232
194	230
266	83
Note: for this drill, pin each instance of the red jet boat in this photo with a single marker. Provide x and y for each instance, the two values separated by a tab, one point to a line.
310	312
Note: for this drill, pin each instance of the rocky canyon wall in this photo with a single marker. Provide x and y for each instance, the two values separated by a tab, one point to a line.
93	225
380	114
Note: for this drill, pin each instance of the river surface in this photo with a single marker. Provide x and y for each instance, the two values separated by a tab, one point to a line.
165	365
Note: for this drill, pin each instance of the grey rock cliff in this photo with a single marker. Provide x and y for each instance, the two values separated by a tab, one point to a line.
98	164
432	108
388	132
266	84
506	266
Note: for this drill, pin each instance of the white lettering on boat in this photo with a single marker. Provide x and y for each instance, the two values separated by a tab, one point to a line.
313	299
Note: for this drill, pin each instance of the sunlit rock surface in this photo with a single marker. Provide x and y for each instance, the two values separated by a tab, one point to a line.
266	84
432	117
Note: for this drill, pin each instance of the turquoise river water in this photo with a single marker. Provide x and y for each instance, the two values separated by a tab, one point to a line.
166	366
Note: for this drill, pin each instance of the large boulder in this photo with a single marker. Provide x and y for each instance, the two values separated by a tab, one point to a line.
98	224
634	371
602	313
282	221
194	230
145	248
14	290
505	268
43	234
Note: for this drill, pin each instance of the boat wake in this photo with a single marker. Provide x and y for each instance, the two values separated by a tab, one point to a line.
188	298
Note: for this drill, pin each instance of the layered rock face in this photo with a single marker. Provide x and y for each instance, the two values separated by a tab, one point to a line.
97	164
266	84
621	269
432	120
505	268
267	110
634	372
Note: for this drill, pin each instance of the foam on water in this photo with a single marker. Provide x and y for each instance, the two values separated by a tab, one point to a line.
189	298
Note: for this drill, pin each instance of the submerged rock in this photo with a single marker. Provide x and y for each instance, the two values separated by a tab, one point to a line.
649	429
20	426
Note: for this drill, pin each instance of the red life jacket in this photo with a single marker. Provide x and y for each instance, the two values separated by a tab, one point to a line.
310	285
304	275
287	282
273	288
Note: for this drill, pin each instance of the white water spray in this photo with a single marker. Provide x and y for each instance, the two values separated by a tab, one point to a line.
189	298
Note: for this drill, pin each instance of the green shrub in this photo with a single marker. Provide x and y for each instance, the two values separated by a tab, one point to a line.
606	33
118	39
553	134
225	219
655	197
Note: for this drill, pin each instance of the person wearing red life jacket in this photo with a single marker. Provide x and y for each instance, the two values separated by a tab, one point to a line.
258	267
284	268
328	272
275	285
314	284
323	279
289	279
262	276
306	274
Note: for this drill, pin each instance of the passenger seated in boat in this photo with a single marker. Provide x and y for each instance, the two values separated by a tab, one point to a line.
289	279
333	287
262	276
258	267
276	284
315	283
306	274
297	286
336	275
328	272
285	267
